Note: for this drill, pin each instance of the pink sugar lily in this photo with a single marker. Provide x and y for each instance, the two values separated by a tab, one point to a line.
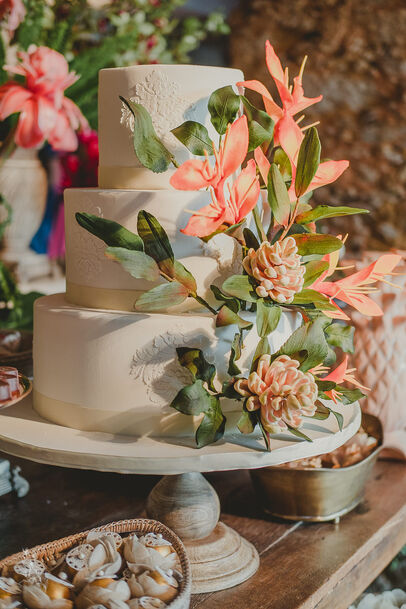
241	200
355	288
340	375
196	174
292	98
290	138
45	113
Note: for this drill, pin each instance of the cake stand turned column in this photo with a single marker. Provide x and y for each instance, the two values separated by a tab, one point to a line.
219	556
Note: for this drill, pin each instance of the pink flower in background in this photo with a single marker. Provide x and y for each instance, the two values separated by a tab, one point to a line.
196	174
292	98
243	196
290	137
45	112
355	288
14	11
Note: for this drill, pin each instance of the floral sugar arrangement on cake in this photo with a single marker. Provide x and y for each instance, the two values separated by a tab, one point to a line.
107	571
259	176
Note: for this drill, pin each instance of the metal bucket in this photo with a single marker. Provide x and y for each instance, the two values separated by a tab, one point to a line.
317	495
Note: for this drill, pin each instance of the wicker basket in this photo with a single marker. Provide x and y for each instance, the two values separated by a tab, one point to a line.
138	525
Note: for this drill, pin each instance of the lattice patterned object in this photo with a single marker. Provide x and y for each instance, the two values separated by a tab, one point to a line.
380	358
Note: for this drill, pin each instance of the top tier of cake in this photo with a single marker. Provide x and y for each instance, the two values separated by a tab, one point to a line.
172	94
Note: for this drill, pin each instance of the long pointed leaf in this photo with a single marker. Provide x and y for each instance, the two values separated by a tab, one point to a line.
308	161
112	233
278	196
147	146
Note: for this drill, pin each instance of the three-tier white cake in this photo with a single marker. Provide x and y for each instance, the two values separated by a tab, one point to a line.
99	366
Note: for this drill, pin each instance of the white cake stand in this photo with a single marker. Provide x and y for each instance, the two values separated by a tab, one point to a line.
183	499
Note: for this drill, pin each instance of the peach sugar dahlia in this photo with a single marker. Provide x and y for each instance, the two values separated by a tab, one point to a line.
277	269
281	392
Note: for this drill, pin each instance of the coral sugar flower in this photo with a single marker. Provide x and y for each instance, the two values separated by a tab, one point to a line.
45	113
355	288
196	174
290	138
340	375
293	99
242	198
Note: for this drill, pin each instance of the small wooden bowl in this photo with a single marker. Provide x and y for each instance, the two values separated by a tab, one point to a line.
141	526
317	494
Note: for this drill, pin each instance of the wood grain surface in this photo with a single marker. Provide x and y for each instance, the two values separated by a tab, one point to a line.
303	566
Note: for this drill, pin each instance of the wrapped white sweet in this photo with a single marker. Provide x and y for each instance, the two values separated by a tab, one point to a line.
29	569
103	562
78	557
7	603
146	602
156	583
391	599
141	557
9	588
93	594
95	536
35	597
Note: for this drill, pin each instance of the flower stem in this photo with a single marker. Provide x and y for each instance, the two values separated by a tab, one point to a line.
203	302
258	224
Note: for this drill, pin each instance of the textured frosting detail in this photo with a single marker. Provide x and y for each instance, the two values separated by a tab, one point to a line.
165	102
87	251
158	367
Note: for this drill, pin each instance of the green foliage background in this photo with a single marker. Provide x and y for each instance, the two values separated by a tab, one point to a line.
123	32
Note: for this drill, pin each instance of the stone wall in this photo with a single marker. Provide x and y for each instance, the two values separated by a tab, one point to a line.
357	59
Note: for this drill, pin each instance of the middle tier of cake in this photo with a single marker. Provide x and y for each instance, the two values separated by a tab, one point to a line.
118	372
92	280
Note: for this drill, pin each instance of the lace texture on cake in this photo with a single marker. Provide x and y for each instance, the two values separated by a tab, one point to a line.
157	365
86	250
165	103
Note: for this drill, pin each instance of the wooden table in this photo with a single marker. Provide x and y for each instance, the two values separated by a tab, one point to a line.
303	566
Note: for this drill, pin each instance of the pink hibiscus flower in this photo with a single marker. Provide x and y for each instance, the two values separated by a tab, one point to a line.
14	11
45	113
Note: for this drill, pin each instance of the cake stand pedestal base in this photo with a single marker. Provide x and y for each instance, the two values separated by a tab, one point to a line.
220	558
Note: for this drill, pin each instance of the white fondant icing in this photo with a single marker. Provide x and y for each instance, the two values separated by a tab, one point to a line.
172	94
113	371
88	267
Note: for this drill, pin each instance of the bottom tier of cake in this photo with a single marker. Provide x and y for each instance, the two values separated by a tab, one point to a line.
115	372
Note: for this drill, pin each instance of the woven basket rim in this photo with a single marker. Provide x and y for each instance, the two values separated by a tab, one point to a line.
47	550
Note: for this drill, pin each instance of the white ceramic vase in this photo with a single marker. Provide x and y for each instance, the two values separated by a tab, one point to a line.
23	183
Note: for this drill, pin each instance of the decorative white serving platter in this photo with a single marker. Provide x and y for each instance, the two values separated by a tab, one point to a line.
23	433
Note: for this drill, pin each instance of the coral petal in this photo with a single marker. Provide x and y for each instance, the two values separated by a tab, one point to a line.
235	146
